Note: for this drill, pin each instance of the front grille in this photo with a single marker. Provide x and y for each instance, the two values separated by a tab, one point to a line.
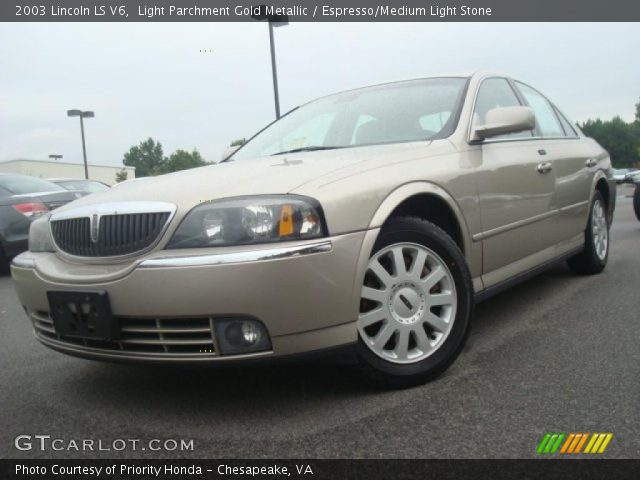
192	337
116	235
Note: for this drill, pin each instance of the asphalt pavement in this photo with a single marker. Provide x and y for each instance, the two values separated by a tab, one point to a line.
558	353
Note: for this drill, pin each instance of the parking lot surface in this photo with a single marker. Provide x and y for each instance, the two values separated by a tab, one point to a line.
558	353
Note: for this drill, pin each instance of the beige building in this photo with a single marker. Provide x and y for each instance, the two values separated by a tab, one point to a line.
58	169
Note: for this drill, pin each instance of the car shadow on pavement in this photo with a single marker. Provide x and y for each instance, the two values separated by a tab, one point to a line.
226	387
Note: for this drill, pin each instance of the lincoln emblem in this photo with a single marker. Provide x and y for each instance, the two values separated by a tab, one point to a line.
95	227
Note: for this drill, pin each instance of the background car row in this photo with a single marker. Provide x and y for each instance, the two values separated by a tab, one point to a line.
626	175
24	198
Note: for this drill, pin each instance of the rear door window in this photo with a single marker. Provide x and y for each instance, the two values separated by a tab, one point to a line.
546	118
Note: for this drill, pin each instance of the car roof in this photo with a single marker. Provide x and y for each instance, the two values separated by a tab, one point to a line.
69	179
467	75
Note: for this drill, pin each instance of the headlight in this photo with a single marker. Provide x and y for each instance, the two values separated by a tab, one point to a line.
39	235
250	220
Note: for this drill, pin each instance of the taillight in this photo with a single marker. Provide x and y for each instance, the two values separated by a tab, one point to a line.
31	209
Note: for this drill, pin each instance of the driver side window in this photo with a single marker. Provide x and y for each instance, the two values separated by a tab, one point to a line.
494	93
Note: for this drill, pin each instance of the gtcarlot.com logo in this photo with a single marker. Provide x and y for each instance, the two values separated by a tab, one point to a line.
45	443
574	443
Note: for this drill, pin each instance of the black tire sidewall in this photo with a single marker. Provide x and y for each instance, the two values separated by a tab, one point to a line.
636	201
4	262
409	230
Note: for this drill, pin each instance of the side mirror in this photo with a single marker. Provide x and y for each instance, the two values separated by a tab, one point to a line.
501	120
229	151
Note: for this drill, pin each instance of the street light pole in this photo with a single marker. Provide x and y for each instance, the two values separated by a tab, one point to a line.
274	71
274	21
82	115
84	150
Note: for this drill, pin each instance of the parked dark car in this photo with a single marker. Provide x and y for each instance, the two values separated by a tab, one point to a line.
22	199
85	187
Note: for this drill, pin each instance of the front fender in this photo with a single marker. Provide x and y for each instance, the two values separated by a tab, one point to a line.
611	200
402	193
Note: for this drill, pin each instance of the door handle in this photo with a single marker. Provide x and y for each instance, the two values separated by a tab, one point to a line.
545	167
542	151
592	162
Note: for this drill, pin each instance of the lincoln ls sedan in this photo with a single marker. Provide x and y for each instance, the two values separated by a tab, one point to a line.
367	222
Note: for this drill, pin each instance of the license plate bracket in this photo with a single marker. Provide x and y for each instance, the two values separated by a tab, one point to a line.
83	315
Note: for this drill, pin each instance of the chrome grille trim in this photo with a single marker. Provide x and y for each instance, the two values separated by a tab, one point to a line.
111	230
171	337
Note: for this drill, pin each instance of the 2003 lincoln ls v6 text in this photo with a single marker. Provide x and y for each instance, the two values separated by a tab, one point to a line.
369	220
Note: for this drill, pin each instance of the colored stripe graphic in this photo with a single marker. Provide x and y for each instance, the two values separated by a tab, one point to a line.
598	442
582	440
606	441
543	443
551	442
573	443
555	447
567	443
594	437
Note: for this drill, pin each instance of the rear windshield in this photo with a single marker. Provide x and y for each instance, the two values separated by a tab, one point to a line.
21	184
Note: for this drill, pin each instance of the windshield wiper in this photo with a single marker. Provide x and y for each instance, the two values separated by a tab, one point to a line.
311	148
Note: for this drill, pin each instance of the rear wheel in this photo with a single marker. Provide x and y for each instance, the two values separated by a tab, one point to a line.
416	304
594	257
636	202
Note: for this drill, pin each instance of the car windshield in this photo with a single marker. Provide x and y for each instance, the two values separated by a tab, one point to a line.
83	185
23	184
390	113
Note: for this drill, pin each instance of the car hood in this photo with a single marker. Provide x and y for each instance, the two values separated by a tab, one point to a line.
272	175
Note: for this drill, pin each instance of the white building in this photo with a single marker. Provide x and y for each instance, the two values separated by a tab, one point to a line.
58	169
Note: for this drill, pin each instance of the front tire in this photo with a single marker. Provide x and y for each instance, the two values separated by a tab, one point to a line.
416	304
636	201
594	257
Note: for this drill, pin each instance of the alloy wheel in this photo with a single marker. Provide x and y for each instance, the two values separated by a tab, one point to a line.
408	303
599	229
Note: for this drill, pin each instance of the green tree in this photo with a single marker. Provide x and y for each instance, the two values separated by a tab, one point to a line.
238	143
121	176
182	160
619	138
147	158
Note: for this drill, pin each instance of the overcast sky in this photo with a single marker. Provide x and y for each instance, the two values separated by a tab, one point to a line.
152	80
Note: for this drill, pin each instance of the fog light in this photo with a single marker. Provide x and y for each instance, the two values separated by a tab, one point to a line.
241	335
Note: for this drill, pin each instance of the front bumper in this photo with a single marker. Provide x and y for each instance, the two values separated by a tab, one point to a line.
305	293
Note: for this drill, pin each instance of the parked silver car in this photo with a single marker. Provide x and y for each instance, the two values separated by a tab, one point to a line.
85	187
22	199
370	220
620	175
